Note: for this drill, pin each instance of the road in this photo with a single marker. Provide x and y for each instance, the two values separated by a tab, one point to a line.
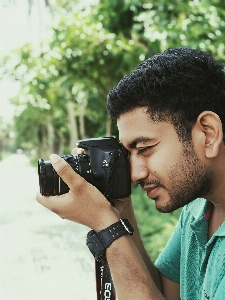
42	257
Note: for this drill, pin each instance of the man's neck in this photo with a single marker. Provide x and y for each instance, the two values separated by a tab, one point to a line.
217	217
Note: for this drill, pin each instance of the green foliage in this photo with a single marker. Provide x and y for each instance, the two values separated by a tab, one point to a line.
155	227
177	23
90	50
6	145
118	16
80	64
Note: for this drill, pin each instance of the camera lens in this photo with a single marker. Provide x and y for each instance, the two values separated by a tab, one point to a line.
47	178
49	181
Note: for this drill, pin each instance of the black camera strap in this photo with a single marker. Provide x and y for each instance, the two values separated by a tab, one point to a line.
104	285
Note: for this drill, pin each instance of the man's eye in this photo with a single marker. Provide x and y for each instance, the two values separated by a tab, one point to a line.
143	150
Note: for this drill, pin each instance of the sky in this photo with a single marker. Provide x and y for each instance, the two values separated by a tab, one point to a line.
17	28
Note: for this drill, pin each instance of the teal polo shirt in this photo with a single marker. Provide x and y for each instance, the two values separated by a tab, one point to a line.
189	259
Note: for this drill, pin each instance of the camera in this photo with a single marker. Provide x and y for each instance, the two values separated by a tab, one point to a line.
104	164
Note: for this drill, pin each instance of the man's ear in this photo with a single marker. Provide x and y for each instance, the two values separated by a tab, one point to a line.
211	126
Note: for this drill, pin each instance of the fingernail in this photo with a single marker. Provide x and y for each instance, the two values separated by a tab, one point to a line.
54	158
74	151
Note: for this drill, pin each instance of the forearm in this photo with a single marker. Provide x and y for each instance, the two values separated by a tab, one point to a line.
130	275
129	214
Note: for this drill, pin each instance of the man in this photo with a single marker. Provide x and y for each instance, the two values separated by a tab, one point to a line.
171	117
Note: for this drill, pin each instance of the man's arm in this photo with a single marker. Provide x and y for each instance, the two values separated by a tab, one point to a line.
130	275
128	213
169	289
86	205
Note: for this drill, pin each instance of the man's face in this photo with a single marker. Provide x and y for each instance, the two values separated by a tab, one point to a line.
167	169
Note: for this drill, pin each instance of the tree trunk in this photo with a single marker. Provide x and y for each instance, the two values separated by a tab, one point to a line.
81	100
61	144
82	127
43	144
72	124
82	108
51	136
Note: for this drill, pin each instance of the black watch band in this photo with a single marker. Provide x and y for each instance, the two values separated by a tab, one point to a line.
99	242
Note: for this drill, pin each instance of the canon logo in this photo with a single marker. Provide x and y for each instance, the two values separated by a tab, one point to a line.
107	292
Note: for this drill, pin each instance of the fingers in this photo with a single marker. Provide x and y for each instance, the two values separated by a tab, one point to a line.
48	201
83	204
77	151
68	175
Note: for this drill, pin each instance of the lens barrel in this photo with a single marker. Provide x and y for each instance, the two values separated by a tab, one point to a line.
49	181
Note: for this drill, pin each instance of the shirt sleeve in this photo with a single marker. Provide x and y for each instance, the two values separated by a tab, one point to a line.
168	262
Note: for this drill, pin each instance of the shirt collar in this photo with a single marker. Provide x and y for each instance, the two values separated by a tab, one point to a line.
200	207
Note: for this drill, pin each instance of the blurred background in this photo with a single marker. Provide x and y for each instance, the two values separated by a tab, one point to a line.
58	61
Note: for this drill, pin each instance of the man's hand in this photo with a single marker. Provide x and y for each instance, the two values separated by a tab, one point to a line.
122	205
83	204
86	205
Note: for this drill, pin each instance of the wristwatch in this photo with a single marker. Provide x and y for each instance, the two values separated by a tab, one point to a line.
99	242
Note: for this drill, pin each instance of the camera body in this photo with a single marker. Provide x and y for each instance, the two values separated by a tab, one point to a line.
104	164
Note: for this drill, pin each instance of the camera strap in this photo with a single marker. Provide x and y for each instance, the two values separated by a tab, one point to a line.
104	285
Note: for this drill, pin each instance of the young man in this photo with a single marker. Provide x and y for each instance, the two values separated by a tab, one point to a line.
171	117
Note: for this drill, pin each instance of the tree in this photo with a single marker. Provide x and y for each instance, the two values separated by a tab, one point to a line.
93	56
162	24
73	74
64	83
195	24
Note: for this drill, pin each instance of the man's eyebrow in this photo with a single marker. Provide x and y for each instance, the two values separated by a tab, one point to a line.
138	140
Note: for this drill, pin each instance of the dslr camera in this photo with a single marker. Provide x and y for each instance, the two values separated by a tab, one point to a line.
104	164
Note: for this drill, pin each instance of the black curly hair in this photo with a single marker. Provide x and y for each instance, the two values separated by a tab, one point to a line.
176	86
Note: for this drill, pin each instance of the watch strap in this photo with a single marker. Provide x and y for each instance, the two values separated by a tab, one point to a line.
94	244
99	242
114	231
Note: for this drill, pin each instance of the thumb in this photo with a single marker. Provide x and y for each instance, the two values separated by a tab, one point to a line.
64	170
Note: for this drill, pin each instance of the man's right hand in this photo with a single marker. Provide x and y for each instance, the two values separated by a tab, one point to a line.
123	205
83	204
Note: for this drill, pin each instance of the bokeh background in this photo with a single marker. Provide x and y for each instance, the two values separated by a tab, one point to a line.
58	61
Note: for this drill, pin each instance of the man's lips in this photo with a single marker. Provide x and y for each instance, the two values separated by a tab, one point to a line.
151	190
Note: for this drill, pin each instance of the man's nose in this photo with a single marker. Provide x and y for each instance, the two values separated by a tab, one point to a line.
138	170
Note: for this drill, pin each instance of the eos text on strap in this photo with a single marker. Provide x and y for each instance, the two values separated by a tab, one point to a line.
97	244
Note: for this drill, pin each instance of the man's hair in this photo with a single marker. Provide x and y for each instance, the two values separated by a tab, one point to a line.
176	86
